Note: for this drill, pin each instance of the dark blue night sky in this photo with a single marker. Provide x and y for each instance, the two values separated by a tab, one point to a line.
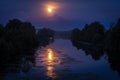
68	14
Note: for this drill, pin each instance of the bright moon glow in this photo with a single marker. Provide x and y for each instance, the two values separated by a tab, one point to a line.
50	10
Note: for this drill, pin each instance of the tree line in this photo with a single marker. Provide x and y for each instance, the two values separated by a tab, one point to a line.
19	38
96	41
95	33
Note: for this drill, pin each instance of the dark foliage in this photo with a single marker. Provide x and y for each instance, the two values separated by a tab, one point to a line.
115	37
114	60
75	36
21	36
93	33
1	30
94	40
45	36
16	39
113	46
90	39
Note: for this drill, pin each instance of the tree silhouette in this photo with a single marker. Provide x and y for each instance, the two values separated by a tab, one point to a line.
93	32
45	36
113	46
75	34
1	30
113	38
17	38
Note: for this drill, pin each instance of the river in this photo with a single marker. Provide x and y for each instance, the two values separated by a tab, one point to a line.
61	60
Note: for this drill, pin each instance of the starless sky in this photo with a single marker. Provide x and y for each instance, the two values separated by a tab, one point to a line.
66	15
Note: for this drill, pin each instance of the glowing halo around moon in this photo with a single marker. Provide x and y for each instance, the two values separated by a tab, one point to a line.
50	10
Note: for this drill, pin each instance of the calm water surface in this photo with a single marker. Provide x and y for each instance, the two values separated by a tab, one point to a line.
62	61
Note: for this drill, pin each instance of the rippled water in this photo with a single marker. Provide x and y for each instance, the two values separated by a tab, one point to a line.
74	64
67	63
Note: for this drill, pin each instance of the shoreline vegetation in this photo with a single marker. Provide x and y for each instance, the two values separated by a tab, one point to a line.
95	33
96	41
19	38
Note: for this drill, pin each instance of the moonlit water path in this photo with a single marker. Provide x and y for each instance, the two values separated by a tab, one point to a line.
62	61
67	60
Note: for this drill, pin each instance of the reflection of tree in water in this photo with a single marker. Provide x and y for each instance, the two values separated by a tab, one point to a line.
113	46
45	36
96	51
17	40
114	60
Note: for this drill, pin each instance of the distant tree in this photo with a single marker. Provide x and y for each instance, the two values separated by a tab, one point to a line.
46	32
20	37
75	34
112	46
115	37
93	32
45	36
28	32
13	24
1	30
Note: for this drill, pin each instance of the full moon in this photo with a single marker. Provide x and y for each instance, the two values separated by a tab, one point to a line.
50	10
